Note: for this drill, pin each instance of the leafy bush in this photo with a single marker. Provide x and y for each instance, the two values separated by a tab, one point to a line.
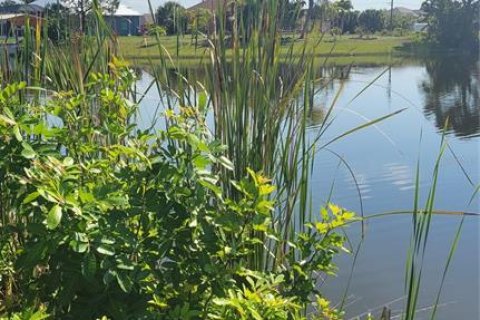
101	219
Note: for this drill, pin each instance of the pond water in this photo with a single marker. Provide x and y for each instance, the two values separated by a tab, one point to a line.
384	159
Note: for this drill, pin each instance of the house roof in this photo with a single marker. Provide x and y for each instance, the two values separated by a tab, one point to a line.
207	4
406	11
124	11
21	8
8	16
44	3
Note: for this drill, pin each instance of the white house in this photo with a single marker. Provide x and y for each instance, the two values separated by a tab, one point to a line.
125	21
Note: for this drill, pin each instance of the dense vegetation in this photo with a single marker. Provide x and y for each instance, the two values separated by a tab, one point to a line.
98	219
101	219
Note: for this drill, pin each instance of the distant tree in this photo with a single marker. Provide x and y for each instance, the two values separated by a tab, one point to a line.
404	21
83	7
172	16
350	21
199	20
372	20
325	12
290	13
111	6
342	9
452	23
56	16
343	5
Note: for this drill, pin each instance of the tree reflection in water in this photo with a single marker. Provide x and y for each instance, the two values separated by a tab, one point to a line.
452	90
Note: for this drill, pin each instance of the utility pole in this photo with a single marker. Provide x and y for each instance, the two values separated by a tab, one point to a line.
59	15
391	15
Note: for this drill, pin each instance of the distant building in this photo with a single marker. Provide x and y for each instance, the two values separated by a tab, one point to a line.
211	5
13	18
420	26
126	21
402	11
31	9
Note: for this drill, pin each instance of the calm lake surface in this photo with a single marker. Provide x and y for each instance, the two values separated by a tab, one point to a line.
384	160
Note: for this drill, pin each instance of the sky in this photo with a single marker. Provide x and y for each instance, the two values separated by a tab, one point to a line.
142	5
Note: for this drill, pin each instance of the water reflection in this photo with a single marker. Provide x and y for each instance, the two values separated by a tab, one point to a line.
452	90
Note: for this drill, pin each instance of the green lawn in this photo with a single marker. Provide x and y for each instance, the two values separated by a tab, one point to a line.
342	50
8	41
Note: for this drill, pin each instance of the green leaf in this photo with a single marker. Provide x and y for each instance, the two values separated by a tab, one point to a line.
31	197
212	187
54	217
201	162
176	133
28	152
8	121
202	101
107	241
126	266
193	140
227	164
16	132
79	247
124	282
107	251
118	200
68	161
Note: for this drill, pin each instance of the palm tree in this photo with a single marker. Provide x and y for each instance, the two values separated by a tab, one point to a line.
341	7
325	12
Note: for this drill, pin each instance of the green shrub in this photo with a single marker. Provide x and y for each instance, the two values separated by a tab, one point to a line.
28	315
101	219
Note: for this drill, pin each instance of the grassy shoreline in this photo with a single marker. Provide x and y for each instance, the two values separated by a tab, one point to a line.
344	50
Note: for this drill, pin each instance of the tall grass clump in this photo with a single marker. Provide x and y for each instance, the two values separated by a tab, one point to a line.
421	222
258	114
260	102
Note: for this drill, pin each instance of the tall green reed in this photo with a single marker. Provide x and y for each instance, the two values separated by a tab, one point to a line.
260	101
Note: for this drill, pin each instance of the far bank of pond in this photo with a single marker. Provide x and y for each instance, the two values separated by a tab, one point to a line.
340	50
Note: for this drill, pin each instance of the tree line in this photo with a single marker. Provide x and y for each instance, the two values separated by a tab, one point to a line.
339	16
451	23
